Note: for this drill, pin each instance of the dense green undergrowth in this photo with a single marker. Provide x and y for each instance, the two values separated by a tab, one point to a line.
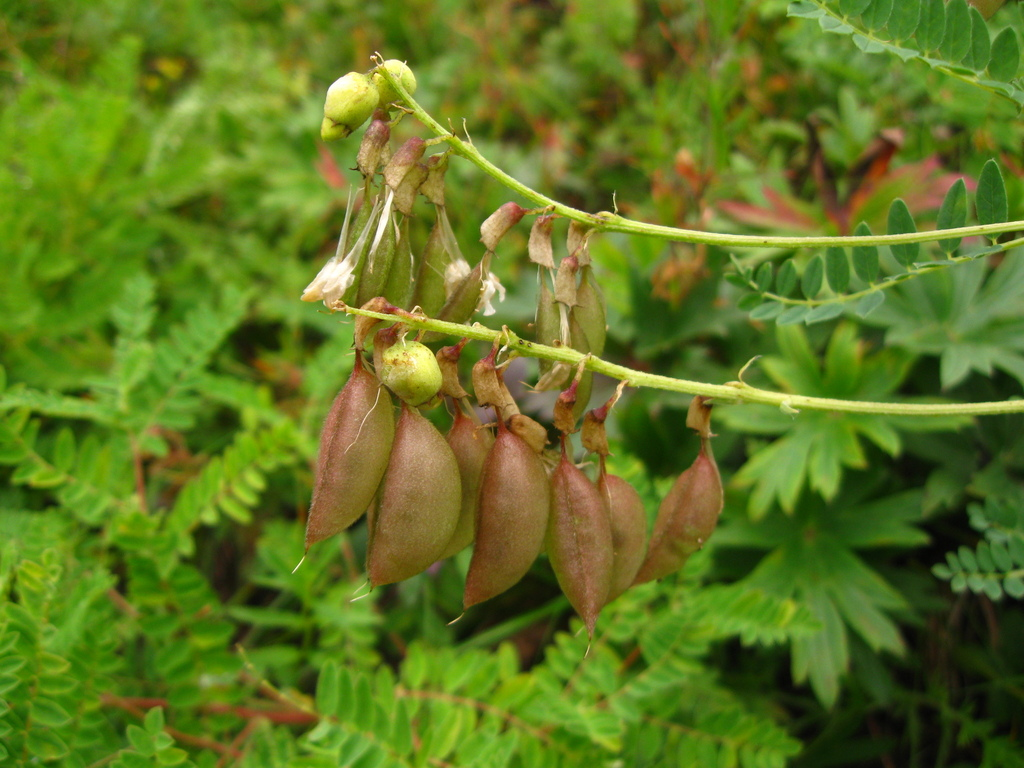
164	200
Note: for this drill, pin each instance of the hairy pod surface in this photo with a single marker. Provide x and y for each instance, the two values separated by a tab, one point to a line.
629	530
686	518
354	447
512	517
579	541
420	500
470	443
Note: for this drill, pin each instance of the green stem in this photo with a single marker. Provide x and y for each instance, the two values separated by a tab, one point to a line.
611	222
731	392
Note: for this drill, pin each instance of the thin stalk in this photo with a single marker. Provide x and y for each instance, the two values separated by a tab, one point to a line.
730	392
611	222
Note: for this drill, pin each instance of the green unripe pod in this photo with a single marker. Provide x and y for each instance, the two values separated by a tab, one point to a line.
410	370
350	102
401	72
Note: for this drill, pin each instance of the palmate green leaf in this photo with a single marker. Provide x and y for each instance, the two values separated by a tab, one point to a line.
811	559
972	319
815	449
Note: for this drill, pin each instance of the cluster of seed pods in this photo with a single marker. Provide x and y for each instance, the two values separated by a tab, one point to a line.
497	486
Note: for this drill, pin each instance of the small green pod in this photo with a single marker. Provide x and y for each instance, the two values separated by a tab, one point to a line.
359	238
470	443
547	322
375	272
686	518
399	288
512	517
420	501
429	292
629	530
581	343
579	540
590	311
354	447
410	370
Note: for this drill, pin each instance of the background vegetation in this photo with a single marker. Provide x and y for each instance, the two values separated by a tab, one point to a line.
164	200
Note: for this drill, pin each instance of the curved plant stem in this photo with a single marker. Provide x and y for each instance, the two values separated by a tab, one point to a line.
611	222
731	392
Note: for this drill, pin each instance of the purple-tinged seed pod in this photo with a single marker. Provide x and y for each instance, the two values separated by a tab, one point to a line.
512	516
420	500
686	518
629	529
470	443
498	223
354	447
579	540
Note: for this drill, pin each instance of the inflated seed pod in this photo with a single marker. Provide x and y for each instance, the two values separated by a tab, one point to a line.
401	72
579	540
350	102
354	447
420	501
629	530
512	517
686	518
410	370
470	443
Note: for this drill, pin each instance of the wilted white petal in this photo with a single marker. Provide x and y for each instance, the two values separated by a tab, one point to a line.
492	285
456	271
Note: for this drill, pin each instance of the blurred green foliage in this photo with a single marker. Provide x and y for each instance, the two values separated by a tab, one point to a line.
164	198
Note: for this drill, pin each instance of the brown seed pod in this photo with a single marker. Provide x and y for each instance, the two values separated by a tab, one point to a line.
470	443
579	540
374	148
354	447
448	362
515	501
686	518
532	431
498	223
629	529
420	500
489	386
